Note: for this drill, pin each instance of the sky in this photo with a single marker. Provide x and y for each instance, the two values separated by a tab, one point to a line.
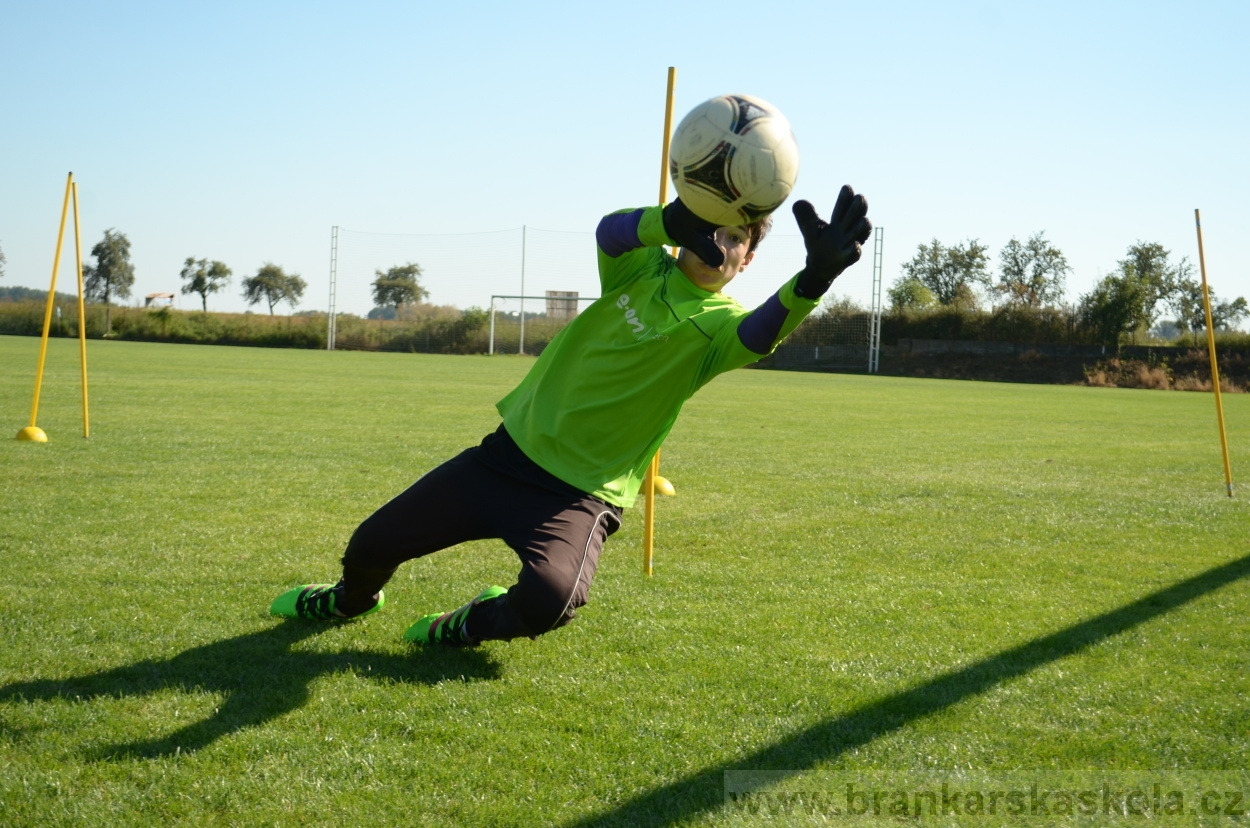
245	132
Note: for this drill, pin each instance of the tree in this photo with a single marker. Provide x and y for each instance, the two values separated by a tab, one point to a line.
1227	315
1	262
1191	316
1162	281
1032	273
1128	300
944	270
835	306
398	286
909	293
1114	307
204	277
112	275
273	286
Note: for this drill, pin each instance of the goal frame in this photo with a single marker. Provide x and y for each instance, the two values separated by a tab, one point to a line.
490	350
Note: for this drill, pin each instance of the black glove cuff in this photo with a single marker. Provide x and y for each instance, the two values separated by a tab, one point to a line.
807	286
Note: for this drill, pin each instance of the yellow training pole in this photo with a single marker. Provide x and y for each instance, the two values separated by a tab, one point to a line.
653	471
32	432
1215	368
82	317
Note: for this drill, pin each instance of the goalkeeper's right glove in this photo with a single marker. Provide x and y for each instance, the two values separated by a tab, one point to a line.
832	246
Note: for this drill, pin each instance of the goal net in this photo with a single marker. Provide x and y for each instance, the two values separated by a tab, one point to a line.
834	338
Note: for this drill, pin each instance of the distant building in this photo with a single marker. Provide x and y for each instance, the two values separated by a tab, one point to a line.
561	304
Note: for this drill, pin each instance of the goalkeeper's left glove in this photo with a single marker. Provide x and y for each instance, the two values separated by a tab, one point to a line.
693	233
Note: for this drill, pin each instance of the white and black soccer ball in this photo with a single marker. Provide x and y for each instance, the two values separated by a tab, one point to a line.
733	159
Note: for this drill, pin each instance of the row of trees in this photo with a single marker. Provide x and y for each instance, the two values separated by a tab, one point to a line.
112	276
271	284
392	289
1031	274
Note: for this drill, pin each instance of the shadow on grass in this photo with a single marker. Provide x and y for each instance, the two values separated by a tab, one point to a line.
259	675
685	799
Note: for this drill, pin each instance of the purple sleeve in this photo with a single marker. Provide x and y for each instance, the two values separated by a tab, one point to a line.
760	329
618	233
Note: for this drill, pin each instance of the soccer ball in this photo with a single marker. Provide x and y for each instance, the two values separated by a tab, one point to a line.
733	159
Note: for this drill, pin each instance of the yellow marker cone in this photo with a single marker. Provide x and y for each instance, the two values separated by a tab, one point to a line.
664	487
32	433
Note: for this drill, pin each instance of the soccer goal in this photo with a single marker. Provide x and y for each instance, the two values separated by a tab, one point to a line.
525	324
458	269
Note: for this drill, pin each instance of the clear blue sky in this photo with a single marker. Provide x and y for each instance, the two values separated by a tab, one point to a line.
245	131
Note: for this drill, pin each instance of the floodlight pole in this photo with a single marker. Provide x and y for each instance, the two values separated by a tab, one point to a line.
521	344
490	351
1215	368
874	324
331	323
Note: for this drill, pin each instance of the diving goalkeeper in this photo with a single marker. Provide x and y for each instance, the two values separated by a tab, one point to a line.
580	430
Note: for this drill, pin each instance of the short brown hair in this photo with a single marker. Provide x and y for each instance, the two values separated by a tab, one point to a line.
757	230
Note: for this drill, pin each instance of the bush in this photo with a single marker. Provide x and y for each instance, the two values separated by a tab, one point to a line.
25	318
1190	371
1010	323
1132	373
442	331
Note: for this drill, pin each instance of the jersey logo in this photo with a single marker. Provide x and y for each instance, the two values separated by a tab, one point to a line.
631	315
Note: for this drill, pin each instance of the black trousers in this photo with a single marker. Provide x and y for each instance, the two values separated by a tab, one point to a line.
491	491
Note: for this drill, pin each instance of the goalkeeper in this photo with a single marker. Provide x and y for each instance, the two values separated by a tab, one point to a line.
580	430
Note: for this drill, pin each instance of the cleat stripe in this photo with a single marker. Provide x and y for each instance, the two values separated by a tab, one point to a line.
436	627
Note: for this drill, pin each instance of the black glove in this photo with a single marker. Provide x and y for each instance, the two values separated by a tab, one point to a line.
693	233
832	246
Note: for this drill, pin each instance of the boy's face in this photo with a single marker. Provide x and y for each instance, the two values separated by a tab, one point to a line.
733	242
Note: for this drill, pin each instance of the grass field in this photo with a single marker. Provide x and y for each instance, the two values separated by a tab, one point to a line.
857	574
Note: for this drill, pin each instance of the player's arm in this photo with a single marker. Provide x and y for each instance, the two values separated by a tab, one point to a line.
620	234
832	247
764	328
623	238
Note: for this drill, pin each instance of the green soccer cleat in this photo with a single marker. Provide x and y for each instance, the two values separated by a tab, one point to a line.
315	602
447	628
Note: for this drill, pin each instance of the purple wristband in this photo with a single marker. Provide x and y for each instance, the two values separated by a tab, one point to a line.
759	330
618	233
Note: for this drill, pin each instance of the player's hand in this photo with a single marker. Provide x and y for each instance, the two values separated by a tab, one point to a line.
693	233
832	246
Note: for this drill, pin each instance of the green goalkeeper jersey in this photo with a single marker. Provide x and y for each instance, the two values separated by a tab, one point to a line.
606	391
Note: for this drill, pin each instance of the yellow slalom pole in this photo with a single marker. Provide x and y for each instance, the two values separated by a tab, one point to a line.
1215	368
653	470
32	432
82	317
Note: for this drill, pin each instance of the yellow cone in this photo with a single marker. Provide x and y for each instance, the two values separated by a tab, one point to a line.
34	434
662	486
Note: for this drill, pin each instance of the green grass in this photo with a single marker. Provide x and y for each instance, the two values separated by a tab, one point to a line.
856	573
